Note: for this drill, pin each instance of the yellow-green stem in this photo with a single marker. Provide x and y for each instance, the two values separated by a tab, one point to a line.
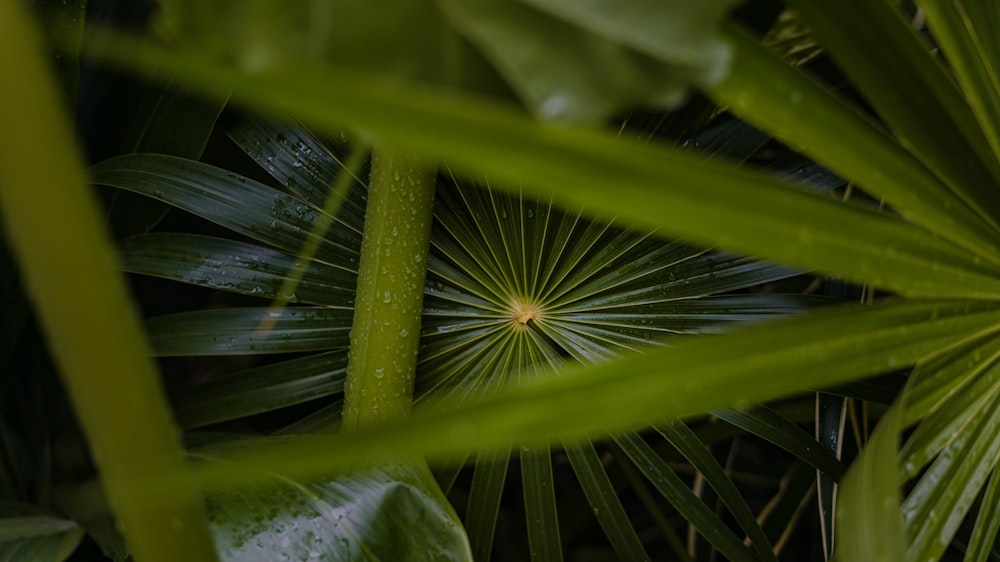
66	258
382	361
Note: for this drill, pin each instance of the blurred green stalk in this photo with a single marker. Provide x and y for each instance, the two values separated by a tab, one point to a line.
54	228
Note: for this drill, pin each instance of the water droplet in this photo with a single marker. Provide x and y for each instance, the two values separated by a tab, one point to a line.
379	372
387	297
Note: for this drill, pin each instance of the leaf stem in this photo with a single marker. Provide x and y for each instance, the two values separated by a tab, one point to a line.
385	335
68	263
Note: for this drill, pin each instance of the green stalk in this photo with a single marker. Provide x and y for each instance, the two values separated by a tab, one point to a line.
382	361
54	228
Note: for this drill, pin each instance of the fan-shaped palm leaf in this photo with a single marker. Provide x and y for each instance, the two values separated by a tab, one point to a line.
513	284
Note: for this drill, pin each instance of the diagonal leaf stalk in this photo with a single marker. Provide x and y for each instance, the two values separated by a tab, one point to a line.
54	228
385	335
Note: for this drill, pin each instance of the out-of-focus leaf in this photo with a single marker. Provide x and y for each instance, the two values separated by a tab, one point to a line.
389	512
792	40
653	188
249	331
598	59
27	533
62	22
869	522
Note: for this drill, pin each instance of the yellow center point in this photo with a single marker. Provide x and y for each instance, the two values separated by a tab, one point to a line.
523	311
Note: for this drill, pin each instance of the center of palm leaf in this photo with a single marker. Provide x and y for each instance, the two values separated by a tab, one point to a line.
524	311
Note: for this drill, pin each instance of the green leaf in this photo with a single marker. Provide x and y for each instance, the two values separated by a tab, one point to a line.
683	499
694	450
237	267
888	61
939	502
95	342
968	396
540	513
820	348
768	424
27	533
869	523
240	204
299	162
262	389
987	523
966	30
484	502
653	187
168	121
603	499
376	513
793	106
62	23
598	61
249	331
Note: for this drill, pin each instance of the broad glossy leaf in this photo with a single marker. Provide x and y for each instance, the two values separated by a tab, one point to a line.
241	331
237	267
652	187
27	533
869	523
377	513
